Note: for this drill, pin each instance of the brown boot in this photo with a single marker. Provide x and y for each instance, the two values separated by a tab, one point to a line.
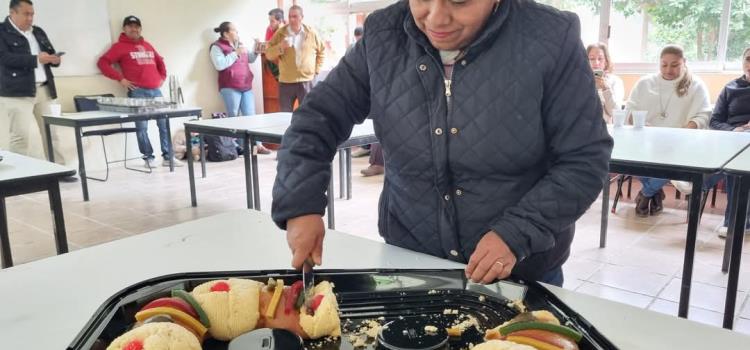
641	205
657	203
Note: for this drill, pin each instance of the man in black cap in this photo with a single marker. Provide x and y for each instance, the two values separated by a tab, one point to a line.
142	72
27	86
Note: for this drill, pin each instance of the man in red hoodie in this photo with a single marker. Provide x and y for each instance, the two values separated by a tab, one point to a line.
142	71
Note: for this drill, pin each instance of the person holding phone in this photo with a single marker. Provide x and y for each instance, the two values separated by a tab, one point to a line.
609	86
300	52
27	85
142	72
232	60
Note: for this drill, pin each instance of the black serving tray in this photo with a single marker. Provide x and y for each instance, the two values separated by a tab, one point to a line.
363	295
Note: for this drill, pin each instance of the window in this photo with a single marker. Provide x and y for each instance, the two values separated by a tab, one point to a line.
587	12
638	29
739	30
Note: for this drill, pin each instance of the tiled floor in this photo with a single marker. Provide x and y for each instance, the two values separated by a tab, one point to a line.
641	265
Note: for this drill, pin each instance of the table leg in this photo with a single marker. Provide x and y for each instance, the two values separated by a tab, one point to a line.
348	153
331	218
55	205
170	151
202	150
191	172
82	165
256	179
736	235
728	240
605	213
246	155
692	233
48	138
7	259
342	170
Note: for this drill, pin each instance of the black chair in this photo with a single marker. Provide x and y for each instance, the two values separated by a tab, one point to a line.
84	103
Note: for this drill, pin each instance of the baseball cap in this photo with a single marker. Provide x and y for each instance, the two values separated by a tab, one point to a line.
131	20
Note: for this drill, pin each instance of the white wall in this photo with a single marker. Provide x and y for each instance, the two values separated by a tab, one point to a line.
181	31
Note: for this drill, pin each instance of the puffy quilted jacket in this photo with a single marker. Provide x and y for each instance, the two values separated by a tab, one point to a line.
517	145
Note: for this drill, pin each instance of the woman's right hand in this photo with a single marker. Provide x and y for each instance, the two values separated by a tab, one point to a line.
305	234
740	128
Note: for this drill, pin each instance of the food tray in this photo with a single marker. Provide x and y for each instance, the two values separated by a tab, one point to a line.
132	105
384	295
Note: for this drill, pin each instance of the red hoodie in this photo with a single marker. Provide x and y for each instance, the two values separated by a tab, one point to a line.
138	60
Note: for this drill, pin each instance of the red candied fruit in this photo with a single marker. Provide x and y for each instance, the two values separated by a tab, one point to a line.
220	287
134	345
316	302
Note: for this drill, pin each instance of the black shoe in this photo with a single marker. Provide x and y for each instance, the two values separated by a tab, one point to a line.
657	203
69	179
642	205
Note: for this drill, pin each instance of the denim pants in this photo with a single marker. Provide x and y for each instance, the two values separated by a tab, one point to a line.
144	144
651	186
238	103
553	277
730	207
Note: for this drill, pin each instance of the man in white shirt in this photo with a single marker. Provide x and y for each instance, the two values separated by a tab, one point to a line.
300	52
27	86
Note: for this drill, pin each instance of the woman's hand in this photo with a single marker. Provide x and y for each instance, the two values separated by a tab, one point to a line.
305	234
601	84
692	125
491	260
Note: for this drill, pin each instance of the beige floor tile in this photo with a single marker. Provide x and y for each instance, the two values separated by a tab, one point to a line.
619	295
632	279
28	244
694	313
742	325
702	295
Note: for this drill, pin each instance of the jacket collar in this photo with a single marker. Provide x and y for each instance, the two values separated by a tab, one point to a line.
490	31
11	27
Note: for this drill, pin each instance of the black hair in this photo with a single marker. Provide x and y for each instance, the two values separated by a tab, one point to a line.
223	28
16	3
359	31
277	13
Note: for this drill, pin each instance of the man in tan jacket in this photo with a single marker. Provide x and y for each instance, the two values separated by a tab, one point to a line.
300	52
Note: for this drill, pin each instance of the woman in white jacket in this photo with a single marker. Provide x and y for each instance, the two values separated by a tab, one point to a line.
674	98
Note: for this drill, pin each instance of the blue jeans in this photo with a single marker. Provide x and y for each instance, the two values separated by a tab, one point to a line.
238	103
553	277
730	207
651	186
144	144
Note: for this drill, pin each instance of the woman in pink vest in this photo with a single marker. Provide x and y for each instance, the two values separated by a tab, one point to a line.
232	60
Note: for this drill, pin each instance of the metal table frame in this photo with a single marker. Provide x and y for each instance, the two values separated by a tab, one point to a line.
252	183
116	118
14	187
735	239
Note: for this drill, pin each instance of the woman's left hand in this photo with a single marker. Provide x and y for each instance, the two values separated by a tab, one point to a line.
692	125
491	260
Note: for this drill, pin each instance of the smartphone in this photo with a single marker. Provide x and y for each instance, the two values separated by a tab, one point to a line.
599	73
59	53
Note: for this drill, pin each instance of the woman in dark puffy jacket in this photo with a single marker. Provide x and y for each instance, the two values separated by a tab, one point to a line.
489	118
732	113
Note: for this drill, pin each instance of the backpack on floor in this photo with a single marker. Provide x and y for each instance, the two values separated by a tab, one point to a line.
220	148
